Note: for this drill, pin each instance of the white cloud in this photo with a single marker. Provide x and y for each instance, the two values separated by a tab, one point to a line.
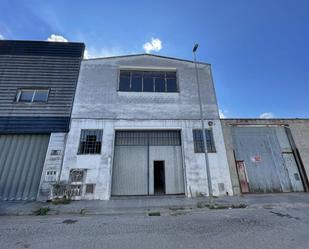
154	45
1	37
86	54
90	52
222	113
93	52
267	115
57	38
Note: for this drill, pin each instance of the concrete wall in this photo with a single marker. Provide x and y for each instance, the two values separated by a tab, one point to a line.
98	105
298	127
99	167
53	162
97	95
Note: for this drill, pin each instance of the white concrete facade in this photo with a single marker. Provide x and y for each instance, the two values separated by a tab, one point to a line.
99	105
52	164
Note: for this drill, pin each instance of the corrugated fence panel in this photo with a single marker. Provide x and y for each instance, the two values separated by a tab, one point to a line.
21	163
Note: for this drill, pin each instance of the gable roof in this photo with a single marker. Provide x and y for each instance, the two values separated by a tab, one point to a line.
144	54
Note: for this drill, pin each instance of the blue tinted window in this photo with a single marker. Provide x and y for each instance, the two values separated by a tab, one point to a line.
40	96
160	84
124	83
171	85
148	84
26	95
136	83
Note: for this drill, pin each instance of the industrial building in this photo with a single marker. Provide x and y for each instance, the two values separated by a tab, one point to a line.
37	88
136	130
267	155
131	126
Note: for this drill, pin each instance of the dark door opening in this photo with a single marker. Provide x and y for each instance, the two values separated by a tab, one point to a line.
159	177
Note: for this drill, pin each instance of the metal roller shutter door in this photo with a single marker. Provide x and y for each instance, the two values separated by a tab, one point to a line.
21	162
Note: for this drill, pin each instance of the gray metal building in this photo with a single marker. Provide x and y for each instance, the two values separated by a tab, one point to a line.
37	88
267	156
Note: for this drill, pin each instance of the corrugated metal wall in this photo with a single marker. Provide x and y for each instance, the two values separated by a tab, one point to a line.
135	153
262	150
34	64
21	163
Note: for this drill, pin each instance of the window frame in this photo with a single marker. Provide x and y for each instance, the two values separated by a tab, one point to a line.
79	152
211	149
34	90
165	70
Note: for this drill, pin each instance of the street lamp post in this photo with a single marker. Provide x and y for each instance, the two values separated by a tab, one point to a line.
202	121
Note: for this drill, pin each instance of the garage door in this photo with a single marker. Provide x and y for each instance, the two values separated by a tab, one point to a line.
265	161
21	163
141	156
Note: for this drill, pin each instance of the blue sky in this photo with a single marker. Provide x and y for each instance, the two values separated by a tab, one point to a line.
259	49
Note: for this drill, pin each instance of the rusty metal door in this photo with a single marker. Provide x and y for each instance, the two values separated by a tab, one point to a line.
242	176
260	150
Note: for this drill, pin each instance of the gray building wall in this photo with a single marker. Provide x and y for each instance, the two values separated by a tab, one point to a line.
97	95
299	129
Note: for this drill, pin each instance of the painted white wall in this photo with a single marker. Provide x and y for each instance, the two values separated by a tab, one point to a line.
98	105
99	167
52	163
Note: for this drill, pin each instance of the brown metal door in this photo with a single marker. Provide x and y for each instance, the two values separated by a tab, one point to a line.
242	175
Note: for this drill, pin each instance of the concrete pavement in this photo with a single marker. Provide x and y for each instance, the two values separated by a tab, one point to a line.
164	204
254	228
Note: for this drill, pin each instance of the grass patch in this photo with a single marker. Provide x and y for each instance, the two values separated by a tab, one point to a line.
58	201
217	206
176	208
154	214
202	205
240	205
42	211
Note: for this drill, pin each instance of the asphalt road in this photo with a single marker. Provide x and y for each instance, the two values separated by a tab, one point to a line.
237	228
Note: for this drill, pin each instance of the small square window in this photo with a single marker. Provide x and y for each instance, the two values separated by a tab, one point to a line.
40	96
26	95
90	188
55	152
90	142
32	95
199	141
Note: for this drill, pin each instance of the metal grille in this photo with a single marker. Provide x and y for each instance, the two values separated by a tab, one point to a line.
76	175
151	138
90	142
199	141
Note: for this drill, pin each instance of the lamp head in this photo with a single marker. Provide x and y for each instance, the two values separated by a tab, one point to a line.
195	47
